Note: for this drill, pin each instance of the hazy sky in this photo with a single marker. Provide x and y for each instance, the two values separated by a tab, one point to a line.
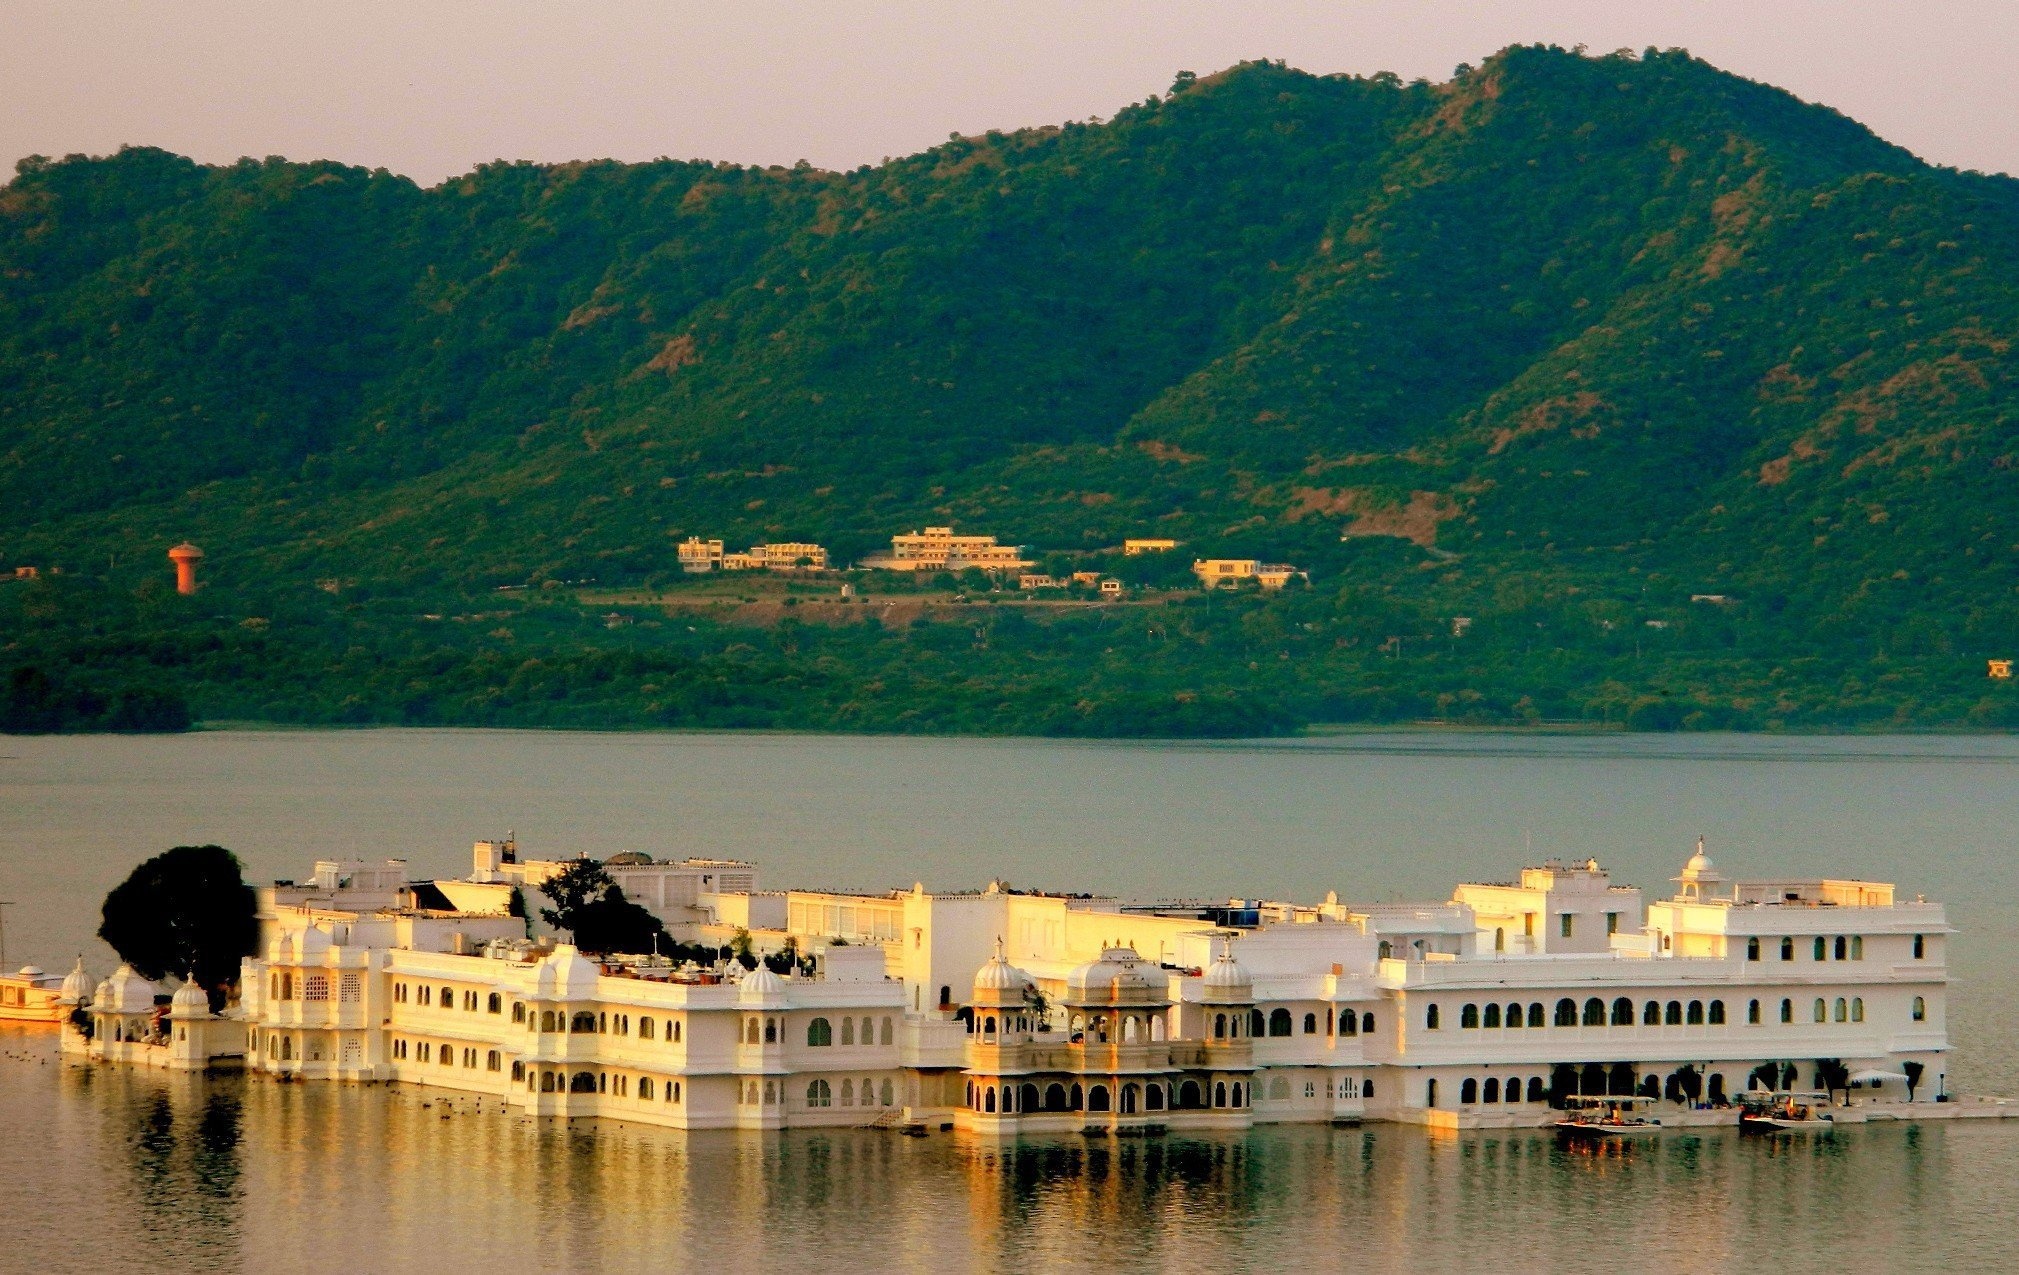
429	88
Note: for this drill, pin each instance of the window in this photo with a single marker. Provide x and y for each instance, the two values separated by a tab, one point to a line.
645	1028
1490	1092
1310	1024
1514	1015
1787	949
1611	923
1367	1024
1535	1089
1857	947
448	998
1569	923
673	1030
1622	1012
1843	1011
1696	1014
1787	1010
1430	1092
1822	1010
1717	1017
1279	1022
470	1001
315	987
1920	1009
645	1084
1820	947
492	1061
1673	1015
1920	947
1566	1013
883	1034
1492	1016
1651	1016
848	1093
518	1011
848	1029
1430	1018
350	989
1752	949
1841	949
1468	1091
583	1022
1753	1013
819	1033
1857	1009
1349	1023
770	1031
1594	1012
518	1072
1468	1016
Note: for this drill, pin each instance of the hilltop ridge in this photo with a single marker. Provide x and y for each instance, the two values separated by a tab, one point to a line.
1556	345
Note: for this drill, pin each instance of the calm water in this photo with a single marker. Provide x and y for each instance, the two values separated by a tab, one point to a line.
232	1174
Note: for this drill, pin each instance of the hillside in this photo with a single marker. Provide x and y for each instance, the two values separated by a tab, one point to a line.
1556	346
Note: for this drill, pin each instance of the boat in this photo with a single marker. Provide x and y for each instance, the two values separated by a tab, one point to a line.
1600	1117
29	996
1784	1112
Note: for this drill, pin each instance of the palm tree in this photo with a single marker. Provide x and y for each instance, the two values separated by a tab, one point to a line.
1832	1075
1914	1071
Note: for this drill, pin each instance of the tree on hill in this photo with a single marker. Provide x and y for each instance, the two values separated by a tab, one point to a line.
592	908
188	912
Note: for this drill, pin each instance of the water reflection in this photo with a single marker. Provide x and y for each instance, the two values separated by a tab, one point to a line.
235	1174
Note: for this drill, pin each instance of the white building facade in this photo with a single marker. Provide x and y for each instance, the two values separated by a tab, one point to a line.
1004	1011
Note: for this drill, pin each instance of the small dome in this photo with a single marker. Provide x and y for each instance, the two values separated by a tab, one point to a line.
31	971
124	993
1226	980
568	975
77	987
1119	975
1000	982
1700	870
760	984
190	1001
628	859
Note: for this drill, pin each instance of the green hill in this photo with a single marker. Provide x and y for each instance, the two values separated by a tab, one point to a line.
1556	346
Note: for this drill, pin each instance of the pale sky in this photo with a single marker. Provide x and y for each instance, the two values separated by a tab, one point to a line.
431	87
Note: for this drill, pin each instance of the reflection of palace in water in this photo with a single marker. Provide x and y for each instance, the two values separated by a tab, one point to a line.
1006	1012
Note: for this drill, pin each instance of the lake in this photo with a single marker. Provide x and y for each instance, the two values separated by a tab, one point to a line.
245	1174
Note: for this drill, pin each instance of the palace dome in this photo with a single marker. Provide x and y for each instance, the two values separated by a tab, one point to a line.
124	993
77	986
999	981
1227	980
1119	975
760	984
568	975
190	1001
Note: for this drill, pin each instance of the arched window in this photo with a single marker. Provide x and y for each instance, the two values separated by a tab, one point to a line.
673	1030
546	1082
1468	1092
819	1032
1920	947
1536	1091
1594	1012
1153	1098
1843	1011
1819	947
1514	1015
1239	1095
1220	1094
1027	1097
583	1082
645	1088
1920	1008
1622	1012
1787	1010
1490	1092
1752	949
1219	1027
1097	1098
1857	1009
1349	1023
770	1031
848	1028
495	1003
448	998
1674	1015
1279	1022
1717	1014
1753	1013
1535	1014
1367	1024
1468	1015
1387	950
1841	947
1255	1022
1696	1014
1566	1012
1491	1015
1651	1016
1857	947
518	1072
583	1023
1310	1024
1430	1018
645	1028
1430	1092
988	1099
1787	949
1822	1010
883	1037
1075	1097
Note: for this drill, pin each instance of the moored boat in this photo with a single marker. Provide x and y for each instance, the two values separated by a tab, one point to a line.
1784	1112
29	996
1605	1117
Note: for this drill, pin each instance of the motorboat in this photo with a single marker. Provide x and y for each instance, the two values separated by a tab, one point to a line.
1784	1112
1595	1116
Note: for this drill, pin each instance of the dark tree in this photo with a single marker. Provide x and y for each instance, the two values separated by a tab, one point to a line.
1913	1071
186	911
593	909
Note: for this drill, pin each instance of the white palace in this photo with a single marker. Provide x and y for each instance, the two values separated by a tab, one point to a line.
1004	1010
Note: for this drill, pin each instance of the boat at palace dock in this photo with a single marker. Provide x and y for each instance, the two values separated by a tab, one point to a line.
1003	1011
31	996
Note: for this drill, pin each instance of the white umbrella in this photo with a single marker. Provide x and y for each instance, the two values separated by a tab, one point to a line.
1872	1075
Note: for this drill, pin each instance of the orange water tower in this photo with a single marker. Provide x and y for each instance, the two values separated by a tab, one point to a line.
185	556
